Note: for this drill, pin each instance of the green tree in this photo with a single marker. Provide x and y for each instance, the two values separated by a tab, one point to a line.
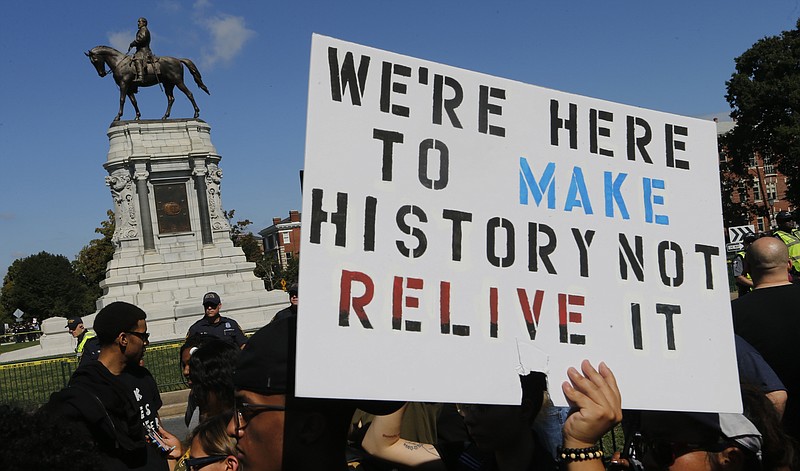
764	95
91	262
275	273
290	273
42	286
250	244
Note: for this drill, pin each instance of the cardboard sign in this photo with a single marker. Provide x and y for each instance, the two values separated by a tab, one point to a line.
459	229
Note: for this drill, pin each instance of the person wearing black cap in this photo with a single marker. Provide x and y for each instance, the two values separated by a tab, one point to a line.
215	325
274	429
114	400
290	311
88	347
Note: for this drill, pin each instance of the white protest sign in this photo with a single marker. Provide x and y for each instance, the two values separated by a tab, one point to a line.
459	228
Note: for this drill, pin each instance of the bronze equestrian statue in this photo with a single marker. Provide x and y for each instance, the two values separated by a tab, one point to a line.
164	70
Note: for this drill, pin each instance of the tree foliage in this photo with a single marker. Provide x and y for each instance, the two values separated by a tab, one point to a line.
249	243
42	286
290	273
91	262
764	94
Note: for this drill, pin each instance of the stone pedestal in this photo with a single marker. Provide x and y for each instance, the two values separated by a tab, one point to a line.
173	241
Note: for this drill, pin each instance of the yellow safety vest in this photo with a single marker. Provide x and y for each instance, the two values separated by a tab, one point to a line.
742	254
88	335
793	244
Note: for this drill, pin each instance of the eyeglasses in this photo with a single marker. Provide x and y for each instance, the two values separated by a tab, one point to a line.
143	336
193	464
210	306
243	412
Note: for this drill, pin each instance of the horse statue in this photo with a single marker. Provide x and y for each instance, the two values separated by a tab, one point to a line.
166	70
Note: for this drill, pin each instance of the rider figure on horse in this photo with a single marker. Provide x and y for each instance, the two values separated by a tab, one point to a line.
143	52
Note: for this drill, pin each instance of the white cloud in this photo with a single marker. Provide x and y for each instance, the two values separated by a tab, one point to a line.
120	39
170	5
228	36
201	4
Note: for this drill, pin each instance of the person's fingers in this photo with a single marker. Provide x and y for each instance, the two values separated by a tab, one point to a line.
575	397
611	390
606	373
589	383
601	387
586	422
594	393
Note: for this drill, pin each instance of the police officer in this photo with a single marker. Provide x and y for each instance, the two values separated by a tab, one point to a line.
743	280
290	311
787	232
215	325
88	347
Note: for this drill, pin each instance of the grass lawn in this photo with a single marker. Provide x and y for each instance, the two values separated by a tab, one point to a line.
17	346
29	383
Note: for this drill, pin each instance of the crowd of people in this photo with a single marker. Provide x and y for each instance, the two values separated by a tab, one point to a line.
242	391
26	331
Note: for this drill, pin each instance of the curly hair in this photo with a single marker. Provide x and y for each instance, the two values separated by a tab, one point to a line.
211	372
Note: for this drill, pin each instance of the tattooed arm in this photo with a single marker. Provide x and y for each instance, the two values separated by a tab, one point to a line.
382	440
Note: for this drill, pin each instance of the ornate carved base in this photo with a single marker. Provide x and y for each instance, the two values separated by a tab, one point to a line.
173	241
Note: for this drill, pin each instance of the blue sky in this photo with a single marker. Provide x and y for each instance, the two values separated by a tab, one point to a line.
55	110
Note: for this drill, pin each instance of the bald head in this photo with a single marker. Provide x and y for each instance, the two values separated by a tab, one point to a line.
768	260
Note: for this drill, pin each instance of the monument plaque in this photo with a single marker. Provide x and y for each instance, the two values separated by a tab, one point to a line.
172	211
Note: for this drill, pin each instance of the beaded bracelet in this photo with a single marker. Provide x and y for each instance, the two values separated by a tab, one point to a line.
569	455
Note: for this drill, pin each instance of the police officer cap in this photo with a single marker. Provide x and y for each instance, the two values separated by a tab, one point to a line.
783	216
73	322
211	298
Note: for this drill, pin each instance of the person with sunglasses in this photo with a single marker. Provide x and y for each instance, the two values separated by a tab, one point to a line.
214	325
291	310
211	449
115	400
274	430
